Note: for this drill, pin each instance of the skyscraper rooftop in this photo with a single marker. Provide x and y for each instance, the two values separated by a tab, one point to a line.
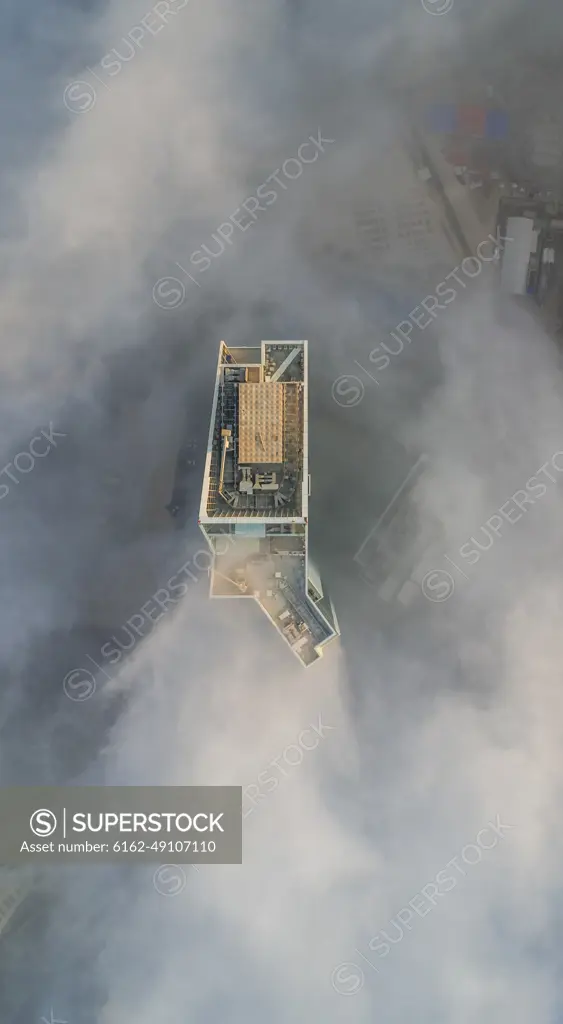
254	503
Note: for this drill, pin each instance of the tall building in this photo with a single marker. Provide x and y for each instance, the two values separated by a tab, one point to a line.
256	487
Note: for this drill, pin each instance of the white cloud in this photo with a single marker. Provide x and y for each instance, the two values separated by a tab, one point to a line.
442	718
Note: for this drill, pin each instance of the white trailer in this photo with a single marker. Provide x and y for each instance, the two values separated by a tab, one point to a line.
521	243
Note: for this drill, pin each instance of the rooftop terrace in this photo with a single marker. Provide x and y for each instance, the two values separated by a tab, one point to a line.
256	464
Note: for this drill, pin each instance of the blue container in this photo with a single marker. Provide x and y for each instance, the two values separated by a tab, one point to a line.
496	125
441	118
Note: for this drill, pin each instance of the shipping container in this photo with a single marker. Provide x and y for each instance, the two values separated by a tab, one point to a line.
496	126
521	242
441	118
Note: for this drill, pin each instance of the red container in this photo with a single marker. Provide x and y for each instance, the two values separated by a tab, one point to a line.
472	121
457	155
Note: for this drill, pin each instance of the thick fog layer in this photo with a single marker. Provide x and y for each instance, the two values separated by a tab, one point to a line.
406	864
